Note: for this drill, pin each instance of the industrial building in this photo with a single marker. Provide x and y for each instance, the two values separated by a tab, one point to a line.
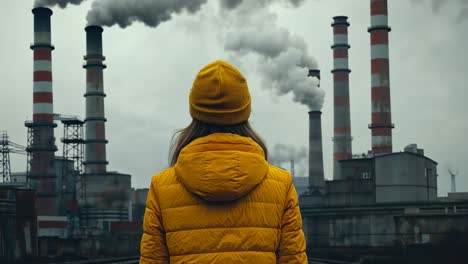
379	200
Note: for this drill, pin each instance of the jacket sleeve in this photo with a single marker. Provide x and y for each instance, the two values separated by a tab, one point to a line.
292	244
153	249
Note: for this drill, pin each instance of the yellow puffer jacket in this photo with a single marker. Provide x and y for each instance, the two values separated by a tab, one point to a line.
222	203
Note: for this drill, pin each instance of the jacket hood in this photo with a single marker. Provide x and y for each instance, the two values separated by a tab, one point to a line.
221	166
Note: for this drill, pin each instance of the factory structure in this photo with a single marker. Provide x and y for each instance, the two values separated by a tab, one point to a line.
380	199
69	204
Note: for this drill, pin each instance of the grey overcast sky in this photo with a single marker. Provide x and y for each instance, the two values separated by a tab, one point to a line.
150	72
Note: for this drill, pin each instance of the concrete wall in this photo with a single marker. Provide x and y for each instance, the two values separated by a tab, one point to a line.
385	225
350	230
350	192
436	229
405	177
109	190
18	224
358	169
108	196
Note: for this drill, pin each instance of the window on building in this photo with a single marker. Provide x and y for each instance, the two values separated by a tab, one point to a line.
366	175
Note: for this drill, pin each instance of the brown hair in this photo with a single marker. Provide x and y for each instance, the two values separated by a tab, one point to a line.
198	129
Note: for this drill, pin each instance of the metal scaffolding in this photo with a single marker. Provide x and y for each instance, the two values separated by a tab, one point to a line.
7	147
5	158
73	149
29	144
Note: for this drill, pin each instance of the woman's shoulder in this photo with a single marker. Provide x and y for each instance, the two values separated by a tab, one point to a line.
279	174
164	177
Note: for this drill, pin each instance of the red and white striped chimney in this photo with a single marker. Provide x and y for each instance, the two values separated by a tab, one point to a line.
95	136
42	174
342	148
382	125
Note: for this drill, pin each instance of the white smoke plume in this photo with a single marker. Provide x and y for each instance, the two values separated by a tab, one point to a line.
281	155
283	59
150	12
60	3
284	153
437	5
231	4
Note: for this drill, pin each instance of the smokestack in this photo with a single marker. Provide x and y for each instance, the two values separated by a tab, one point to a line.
382	125
342	148
314	73
293	171
42	148
316	177
95	138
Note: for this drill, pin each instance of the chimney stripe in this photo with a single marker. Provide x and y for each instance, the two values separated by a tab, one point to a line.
381	117
42	97
42	65
341	100
43	108
380	94
381	132
42	76
379	52
340	30
340	63
381	140
341	77
42	37
42	54
43	118
381	20
379	37
340	155
379	66
340	53
382	149
379	7
342	130
340	39
42	87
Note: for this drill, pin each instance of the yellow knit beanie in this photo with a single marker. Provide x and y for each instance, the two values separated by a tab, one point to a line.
220	95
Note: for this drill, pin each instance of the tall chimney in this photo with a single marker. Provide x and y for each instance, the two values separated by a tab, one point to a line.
342	148
95	138
293	170
42	171
314	73
316	177
382	125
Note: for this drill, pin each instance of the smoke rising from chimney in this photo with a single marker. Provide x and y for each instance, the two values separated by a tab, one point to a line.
437	5
60	3
231	4
283	59
282	154
150	12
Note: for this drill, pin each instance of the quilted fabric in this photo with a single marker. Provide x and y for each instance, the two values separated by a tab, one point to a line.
222	203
